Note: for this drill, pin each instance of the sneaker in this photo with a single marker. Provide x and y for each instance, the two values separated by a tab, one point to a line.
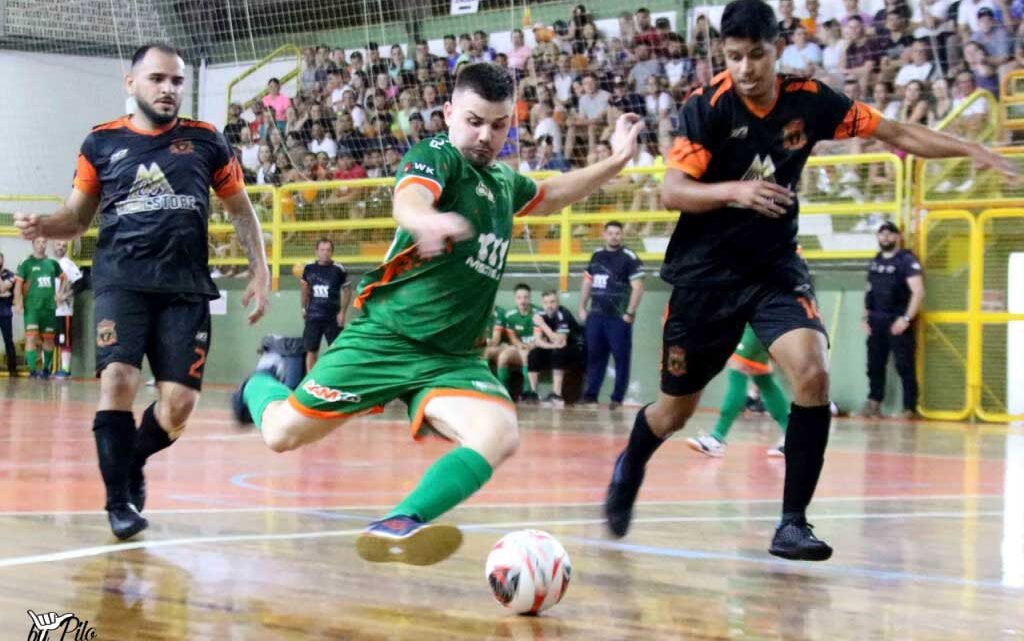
589	403
614	405
778	450
529	397
707	445
62	375
618	502
238	407
34	374
125	520
795	540
910	415
137	487
403	539
555	400
754	404
44	375
872	409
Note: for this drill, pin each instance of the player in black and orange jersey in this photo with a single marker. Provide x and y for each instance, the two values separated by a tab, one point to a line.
150	174
741	145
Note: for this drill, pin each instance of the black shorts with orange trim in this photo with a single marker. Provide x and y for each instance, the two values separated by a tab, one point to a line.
703	326
171	331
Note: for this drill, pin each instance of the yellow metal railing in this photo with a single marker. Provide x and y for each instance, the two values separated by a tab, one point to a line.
1011	101
280	52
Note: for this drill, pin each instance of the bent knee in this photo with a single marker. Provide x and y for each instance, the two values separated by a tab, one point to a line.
810	383
280	440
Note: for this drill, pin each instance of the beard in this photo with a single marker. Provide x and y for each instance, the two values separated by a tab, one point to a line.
155	117
888	247
478	157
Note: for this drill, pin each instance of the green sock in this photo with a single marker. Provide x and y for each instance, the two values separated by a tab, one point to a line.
30	359
526	380
774	399
732	404
503	376
452	479
262	390
47	360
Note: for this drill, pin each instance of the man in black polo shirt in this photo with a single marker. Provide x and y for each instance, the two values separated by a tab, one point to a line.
325	297
895	293
613	283
557	345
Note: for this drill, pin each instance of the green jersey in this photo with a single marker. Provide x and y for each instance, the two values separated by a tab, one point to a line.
42	276
521	324
497	320
446	301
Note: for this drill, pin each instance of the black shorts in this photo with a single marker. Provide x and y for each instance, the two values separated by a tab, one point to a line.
542	360
703	326
318	329
171	330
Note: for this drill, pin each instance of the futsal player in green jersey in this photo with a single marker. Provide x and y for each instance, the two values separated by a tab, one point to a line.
35	291
750	360
424	311
518	323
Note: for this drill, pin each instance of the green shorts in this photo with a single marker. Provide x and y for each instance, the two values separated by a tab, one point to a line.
41	320
370	365
751	357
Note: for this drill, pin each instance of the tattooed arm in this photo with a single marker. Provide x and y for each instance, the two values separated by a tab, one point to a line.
250	237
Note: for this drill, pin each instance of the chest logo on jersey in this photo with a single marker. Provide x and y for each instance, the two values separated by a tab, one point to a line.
739	132
484	192
181	146
151	191
762	168
118	155
793	135
420	167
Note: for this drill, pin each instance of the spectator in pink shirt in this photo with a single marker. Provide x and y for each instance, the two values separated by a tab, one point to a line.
520	52
276	99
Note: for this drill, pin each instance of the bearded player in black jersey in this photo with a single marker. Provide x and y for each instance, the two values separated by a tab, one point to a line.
150	174
740	147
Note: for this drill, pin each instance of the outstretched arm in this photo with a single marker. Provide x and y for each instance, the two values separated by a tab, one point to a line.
564	189
250	237
928	143
70	221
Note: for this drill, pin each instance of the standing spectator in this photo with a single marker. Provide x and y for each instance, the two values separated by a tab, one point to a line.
895	293
7	284
851	9
919	68
35	294
321	142
557	345
613	284
307	77
789	22
325	297
803	57
520	52
276	100
813	19
250	150
644	67
65	305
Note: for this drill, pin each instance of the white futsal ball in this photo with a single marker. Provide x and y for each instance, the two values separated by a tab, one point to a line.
528	571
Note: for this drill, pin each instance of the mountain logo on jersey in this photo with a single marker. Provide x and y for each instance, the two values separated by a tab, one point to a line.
151	191
793	135
762	168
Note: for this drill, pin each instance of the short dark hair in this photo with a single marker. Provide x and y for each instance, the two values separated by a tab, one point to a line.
371	46
549	292
643	10
522	286
489	81
613	223
275	80
325	240
141	52
749	20
449	36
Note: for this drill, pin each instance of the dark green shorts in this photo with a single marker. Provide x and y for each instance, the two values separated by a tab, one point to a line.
41	320
370	365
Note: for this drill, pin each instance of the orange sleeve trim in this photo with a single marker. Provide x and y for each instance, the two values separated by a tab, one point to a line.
533	202
432	185
185	122
417	421
689	157
86	179
860	122
323	414
809	86
398	265
722	88
228	180
120	123
751	366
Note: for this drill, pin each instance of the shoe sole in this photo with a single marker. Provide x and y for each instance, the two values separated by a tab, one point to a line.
696	447
129	533
775	453
823	555
428	545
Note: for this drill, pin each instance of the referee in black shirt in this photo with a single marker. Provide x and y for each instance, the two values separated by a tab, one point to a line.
895	293
325	298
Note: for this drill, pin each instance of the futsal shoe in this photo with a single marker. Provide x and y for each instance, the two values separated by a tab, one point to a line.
618	503
778	450
125	520
137	486
62	376
403	539
707	445
795	540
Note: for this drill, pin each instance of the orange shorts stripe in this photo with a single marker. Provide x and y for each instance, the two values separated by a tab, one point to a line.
417	421
752	366
328	415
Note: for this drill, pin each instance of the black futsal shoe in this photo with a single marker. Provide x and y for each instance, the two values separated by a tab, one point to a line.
238	407
125	520
618	503
795	540
137	486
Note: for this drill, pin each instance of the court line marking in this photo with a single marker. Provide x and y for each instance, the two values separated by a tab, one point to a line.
493	506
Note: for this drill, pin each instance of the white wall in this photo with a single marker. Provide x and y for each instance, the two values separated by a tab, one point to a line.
49	104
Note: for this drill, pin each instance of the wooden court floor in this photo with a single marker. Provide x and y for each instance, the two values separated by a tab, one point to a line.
927	520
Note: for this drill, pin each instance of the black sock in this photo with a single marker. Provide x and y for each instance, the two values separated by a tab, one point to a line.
115	437
151	438
806	439
642	445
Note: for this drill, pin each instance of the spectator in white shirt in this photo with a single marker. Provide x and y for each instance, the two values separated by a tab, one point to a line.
250	150
920	66
678	67
801	58
322	142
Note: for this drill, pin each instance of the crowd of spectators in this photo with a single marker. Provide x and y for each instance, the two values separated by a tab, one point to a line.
354	116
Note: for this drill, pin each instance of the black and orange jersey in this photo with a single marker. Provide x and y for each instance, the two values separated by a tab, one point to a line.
154	190
722	137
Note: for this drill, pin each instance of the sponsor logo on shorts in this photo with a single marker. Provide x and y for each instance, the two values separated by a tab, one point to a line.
202	337
484	386
106	333
676	362
329	394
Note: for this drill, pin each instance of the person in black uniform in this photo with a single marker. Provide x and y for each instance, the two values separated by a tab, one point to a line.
613	283
7	283
325	297
557	345
741	144
150	174
893	299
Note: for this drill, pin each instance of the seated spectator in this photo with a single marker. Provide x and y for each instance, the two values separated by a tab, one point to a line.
256	124
591	112
311	168
974	117
862	55
557	345
548	158
813	20
563	79
321	142
437	124
417	130
285	167
430	103
618	57
451	54
915	107
346	167
851	9
919	68
373	163
275	140
482	51
235	124
993	37
789	22
702	35
678	66
646	34
270	122
392	160
249	150
398	62
627	27
882	100
353	109
976	60
664	28
295	121
658	104
294	145
644	67
528	159
266	173
276	100
967	17
349	137
895	45
878	21
520	51
374	63
833	55
547	125
943	101
324	166
627	101
803	57
307	77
